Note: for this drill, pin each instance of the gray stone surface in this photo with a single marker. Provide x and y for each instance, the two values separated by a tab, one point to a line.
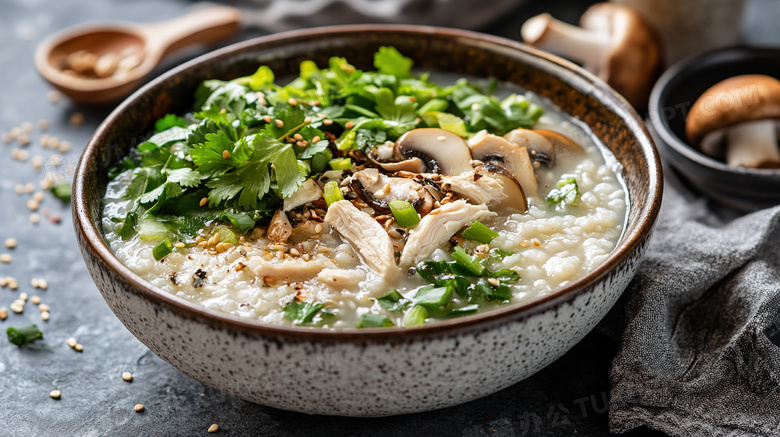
569	397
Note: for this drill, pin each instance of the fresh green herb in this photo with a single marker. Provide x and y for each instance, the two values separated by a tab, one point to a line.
469	262
479	232
566	192
506	276
240	221
405	214
374	321
463	311
332	193
162	249
340	164
433	297
169	121
394	301
488	291
499	254
62	191
23	335
301	313
415	316
226	235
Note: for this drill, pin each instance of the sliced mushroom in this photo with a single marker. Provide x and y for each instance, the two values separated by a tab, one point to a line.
491	185
378	190
309	191
442	151
740	115
613	41
513	157
382	156
280	229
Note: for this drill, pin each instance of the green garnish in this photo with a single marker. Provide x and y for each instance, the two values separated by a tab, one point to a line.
62	191
405	214
506	275
479	232
415	316
433	297
162	249
468	262
394	301
226	234
23	335
566	192
169	121
340	164
499	254
332	193
301	313
374	321
462	311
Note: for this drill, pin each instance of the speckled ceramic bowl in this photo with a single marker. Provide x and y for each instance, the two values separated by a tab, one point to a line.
373	372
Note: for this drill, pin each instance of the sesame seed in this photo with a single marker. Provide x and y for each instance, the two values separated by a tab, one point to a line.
15	307
72	342
349	125
127	376
225	154
327	122
299	143
54	96
316	139
35	299
291	101
3	313
43	124
56	394
24	140
180	245
29	188
537	243
63	146
77	119
45	316
298	137
42	284
10	243
78	347
38	197
475	107
7	138
32	205
318	228
19	189
203	201
493	281
307	120
295	252
12	284
44	307
34	218
139	408
267	118
279	123
37	162
26	127
23	296
213	428
6	258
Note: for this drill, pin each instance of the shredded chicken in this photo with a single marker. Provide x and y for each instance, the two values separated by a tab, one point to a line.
288	270
437	227
479	189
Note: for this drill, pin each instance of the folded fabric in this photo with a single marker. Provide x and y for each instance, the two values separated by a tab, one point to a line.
695	358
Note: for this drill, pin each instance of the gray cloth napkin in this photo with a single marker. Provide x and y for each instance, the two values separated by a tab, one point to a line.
695	358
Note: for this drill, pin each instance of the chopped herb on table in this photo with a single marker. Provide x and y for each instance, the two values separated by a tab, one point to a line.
23	335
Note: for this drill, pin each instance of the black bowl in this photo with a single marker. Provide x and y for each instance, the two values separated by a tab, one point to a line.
678	88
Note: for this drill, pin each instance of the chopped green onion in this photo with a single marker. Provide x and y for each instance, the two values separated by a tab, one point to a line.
242	222
479	232
506	275
340	164
405	214
433	297
62	191
332	193
374	321
567	192
23	335
499	254
468	309
150	229
162	249
415	316
226	235
470	263
493	292
393	301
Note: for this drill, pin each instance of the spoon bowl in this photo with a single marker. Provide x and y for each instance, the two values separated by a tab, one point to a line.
140	46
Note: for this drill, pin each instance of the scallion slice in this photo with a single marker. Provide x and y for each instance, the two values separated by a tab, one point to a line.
479	232
23	335
332	193
470	263
415	316
375	321
340	164
162	249
433	297
405	214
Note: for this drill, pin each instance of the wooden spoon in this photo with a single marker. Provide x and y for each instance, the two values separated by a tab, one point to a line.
141	44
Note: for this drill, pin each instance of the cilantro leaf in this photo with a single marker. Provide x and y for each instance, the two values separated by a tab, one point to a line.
389	60
169	121
185	176
301	313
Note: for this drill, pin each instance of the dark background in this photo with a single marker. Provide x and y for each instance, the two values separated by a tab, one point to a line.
567	398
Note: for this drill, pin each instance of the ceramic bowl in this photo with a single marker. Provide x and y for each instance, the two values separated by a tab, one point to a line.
676	90
373	372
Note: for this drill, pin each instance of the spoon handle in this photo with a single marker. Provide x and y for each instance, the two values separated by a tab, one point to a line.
204	25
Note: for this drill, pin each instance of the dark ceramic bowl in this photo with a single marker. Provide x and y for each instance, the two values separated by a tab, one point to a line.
379	371
673	95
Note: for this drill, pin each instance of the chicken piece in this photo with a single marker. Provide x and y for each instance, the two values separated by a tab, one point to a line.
294	270
366	236
279	229
437	227
480	190
341	278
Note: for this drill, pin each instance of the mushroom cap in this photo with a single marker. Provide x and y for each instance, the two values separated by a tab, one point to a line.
440	150
512	156
633	59
733	101
516	197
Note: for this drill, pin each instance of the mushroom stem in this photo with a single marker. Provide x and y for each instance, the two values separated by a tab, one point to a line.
573	42
753	144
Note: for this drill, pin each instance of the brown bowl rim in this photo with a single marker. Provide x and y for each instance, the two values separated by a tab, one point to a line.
94	243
